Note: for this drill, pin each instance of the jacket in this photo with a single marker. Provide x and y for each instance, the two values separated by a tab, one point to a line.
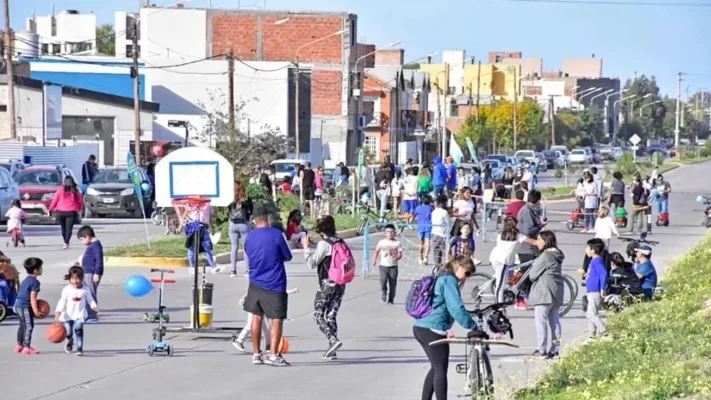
546	276
447	307
66	201
439	174
529	224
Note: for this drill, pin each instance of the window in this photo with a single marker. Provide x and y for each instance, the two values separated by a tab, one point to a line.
45	48
353	32
56	49
533	91
372	144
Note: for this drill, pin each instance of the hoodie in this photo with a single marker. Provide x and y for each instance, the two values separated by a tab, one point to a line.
439	176
546	276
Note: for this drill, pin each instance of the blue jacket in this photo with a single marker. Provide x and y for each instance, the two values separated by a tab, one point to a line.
447	307
451	177
439	175
597	276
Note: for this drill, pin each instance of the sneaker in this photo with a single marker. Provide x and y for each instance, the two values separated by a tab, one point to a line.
191	271
66	246
477	262
19	348
29	351
383	298
239	345
553	355
332	357
478	233
538	355
233	274
276	361
521	304
584	230
94	320
257	359
333	348
79	353
421	261
68	348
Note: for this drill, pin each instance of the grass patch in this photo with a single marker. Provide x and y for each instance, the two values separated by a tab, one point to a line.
166	248
662	349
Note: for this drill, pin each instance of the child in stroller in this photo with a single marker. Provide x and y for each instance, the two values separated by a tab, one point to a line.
621	216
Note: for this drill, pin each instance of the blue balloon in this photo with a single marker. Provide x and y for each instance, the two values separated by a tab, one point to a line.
145	188
655	193
137	286
700	199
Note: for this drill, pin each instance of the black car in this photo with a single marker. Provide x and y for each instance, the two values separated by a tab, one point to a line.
550	157
112	193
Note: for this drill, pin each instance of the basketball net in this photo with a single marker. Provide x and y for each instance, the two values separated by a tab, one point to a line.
190	209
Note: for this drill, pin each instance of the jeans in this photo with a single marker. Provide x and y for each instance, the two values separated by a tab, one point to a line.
25	327
327	303
595	324
237	231
590	216
436	379
439	246
66	220
75	329
93	289
438	190
388	280
383	196
208	255
662	205
547	321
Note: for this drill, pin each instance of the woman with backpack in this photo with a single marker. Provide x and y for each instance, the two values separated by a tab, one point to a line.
445	307
331	254
239	212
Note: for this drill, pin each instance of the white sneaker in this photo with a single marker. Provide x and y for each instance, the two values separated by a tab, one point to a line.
239	345
191	271
421	261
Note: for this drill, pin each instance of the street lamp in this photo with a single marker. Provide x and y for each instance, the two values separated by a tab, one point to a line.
632	103
298	78
647	105
580	99
592	99
572	95
619	115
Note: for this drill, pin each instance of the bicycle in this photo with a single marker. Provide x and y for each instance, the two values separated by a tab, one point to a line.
366	213
632	243
477	366
484	288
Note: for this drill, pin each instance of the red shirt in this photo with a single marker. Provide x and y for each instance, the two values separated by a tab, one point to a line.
513	208
291	228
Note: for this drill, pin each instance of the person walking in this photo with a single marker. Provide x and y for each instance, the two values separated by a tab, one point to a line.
640	206
240	212
592	195
66	205
88	172
546	297
320	184
307	177
616	194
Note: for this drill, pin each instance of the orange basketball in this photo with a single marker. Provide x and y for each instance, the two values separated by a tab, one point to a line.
283	345
43	307
56	332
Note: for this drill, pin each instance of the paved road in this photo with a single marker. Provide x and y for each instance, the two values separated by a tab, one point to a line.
380	359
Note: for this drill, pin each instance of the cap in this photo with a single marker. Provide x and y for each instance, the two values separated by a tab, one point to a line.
644	249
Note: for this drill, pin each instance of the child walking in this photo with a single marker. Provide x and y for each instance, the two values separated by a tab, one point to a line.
15	218
441	224
73	307
387	254
26	306
605	227
247	330
595	283
92	264
423	215
463	244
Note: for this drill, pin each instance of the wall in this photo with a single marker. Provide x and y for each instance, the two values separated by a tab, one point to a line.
590	68
471	74
362	50
503	55
114	78
70	28
529	66
455	59
390	57
505	80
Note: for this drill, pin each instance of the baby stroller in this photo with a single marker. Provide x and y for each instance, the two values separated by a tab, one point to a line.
663	219
575	220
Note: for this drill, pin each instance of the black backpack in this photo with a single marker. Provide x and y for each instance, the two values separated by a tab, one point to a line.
237	214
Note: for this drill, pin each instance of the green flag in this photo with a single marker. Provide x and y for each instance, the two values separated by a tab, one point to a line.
472	151
455	151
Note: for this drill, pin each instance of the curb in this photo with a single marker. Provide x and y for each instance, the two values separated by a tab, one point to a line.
176	262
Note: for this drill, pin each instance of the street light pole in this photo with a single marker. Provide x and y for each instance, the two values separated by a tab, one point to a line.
619	113
678	109
607	111
632	103
580	99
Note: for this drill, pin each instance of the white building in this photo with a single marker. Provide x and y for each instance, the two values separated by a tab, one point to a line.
65	33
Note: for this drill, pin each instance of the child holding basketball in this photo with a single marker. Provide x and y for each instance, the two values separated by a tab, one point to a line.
72	308
27	307
387	254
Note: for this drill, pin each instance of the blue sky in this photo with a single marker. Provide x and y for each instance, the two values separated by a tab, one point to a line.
651	40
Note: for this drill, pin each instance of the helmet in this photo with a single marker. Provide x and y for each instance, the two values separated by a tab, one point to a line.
499	323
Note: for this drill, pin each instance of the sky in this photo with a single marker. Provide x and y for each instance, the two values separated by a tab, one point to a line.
649	39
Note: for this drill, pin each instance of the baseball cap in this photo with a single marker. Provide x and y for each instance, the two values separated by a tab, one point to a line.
644	249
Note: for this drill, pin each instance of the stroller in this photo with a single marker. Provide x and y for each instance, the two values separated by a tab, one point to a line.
576	220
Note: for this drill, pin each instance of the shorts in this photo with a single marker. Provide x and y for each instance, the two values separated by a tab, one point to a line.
309	192
263	302
617	199
425	235
409	206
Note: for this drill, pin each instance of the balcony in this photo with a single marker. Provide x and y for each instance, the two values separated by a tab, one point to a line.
377	121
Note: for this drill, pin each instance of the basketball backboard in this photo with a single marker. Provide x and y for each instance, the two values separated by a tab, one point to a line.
194	171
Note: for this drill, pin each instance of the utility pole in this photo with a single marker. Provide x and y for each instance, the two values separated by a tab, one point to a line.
678	109
439	115
10	82
445	92
297	79
136	94
552	120
607	118
515	110
478	89
231	95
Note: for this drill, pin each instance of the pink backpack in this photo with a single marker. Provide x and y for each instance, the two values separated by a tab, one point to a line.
343	267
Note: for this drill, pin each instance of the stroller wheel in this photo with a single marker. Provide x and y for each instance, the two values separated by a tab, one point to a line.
570	225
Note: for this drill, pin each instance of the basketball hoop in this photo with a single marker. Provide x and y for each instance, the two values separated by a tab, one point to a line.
189	209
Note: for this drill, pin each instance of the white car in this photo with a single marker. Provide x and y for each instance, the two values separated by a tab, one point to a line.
9	192
579	156
529	155
284	167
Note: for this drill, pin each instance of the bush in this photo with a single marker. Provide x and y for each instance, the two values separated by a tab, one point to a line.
658	159
661	349
259	198
703	152
626	165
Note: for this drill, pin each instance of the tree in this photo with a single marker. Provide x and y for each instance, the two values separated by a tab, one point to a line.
651	123
567	128
496	125
592	126
106	39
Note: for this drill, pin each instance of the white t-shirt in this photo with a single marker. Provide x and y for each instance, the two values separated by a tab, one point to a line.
14	218
604	228
440	222
73	303
388	249
527	176
505	251
395	187
464	206
410	188
591	194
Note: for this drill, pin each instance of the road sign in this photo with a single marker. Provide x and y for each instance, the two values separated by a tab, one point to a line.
634	148
635	139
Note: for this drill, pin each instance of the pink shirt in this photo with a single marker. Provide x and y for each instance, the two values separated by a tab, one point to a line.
66	201
319	181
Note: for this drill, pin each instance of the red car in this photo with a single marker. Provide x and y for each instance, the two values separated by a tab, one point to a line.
38	184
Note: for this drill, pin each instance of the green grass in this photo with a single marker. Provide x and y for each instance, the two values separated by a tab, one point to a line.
166	248
661	350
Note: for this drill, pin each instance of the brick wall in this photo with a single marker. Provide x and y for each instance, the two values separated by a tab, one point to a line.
390	57
326	95
238	31
361	50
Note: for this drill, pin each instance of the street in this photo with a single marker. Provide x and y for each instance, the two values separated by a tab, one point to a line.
379	360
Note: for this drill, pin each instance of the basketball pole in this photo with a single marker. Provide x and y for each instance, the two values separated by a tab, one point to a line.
231	95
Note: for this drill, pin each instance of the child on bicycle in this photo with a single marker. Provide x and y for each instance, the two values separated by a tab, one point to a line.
15	219
503	255
423	215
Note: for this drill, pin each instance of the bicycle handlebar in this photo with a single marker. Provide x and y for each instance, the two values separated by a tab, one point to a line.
487	309
645	241
474	341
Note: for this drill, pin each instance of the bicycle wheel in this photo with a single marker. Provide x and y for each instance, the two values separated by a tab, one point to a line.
361	227
575	285
479	288
568	296
481	380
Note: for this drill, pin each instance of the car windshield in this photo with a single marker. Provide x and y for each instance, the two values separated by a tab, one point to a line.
578	152
524	153
112	176
48	177
283	167
549	153
493	163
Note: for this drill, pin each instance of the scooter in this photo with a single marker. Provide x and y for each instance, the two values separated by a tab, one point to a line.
158	345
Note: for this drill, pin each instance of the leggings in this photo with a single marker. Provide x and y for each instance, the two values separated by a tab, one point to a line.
436	379
327	303
66	221
237	232
25	327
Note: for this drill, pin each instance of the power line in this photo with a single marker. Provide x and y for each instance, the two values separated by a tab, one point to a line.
616	3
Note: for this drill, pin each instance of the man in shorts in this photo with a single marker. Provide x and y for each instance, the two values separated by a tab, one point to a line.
267	250
308	185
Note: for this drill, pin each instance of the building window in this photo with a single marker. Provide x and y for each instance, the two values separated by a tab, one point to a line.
533	91
353	32
372	144
56	49
45	48
452	90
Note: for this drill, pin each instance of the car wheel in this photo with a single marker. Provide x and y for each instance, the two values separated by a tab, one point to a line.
87	212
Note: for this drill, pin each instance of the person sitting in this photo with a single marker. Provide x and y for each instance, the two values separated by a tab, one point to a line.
622	275
645	270
295	232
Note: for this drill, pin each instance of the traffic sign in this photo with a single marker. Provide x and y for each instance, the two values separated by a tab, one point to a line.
635	139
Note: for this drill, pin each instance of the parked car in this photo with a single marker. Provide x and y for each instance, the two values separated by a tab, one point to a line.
529	155
580	156
656	148
504	160
605	152
13	166
112	193
595	156
9	192
617	153
283	167
38	184
497	168
554	159
541	164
